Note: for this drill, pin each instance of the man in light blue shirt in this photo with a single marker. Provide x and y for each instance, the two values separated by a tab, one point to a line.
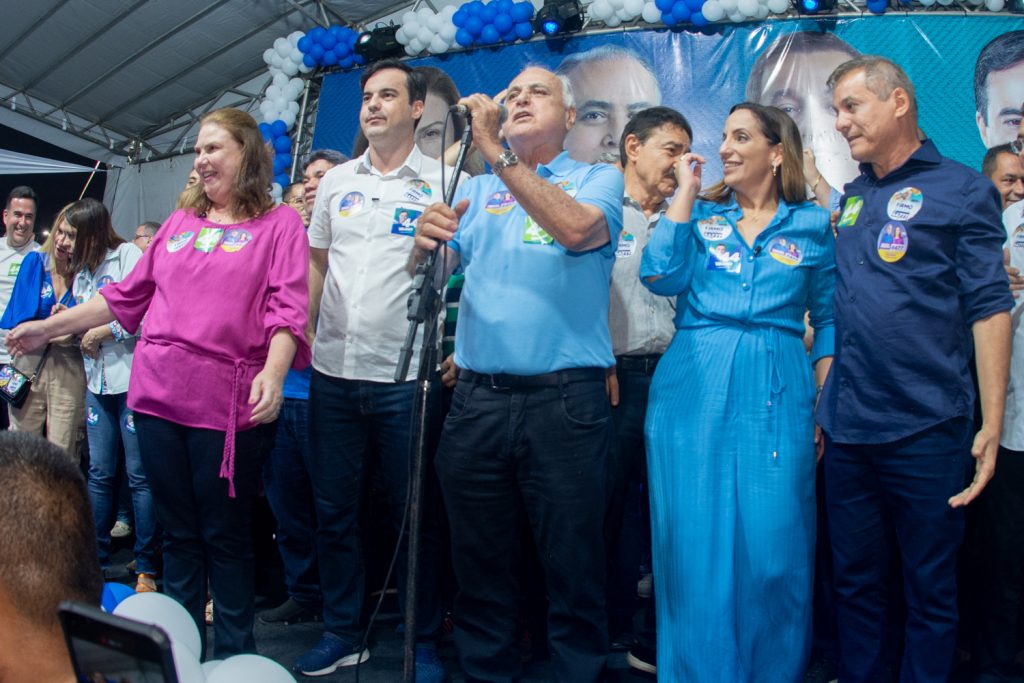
529	428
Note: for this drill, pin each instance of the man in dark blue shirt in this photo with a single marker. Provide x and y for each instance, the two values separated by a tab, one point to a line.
919	279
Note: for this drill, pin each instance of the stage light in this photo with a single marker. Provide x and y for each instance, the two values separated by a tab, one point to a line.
559	17
814	6
379	43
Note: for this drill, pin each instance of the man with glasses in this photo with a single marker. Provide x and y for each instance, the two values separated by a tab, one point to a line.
293	197
144	234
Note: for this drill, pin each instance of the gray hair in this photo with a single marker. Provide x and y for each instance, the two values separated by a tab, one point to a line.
604	53
881	76
568	99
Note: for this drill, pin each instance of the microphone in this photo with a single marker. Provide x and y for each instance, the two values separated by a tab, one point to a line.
463	110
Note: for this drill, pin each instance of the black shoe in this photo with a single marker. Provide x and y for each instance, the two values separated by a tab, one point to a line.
623	642
288	612
821	670
117	572
642	658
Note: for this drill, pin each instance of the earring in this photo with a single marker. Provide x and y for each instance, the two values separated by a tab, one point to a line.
775	170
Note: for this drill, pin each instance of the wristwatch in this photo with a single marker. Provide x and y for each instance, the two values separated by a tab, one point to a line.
504	160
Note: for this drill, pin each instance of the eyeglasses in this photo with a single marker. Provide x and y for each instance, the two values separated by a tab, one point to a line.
1017	145
147	238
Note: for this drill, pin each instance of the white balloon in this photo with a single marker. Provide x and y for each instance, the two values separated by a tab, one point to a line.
294	37
274	90
635	7
448	32
408	18
293	107
424	14
995	5
187	665
250	668
434	23
737	17
158	609
412	29
651	14
296	55
280	80
288	118
296	85
747	7
600	10
290	68
283	47
612	21
425	35
211	664
448	11
778	6
712	11
268	54
303	69
623	14
277	62
411	51
400	35
438	45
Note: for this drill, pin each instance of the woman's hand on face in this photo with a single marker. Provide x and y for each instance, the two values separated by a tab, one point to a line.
266	396
688	170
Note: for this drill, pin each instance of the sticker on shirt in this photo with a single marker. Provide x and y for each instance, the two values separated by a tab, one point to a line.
12	271
785	251
850	212
499	203
351	204
569	187
179	241
129	422
92	418
1017	239
417	191
206	240
235	239
892	242
714	228
627	245
104	281
46	291
724	257
404	222
534	234
905	204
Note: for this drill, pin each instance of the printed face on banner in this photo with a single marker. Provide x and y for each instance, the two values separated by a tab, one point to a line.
1004	93
431	128
609	88
796	81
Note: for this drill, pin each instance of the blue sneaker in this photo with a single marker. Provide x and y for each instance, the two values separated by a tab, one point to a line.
428	667
329	655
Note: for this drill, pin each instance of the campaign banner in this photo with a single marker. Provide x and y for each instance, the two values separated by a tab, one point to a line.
968	73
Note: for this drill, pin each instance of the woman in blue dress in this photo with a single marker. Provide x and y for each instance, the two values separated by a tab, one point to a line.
731	437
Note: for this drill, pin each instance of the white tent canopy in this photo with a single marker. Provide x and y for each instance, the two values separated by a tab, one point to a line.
16	163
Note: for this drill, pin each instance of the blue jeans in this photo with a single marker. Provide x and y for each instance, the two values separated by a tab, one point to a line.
539	455
290	494
905	484
351	421
108	424
207	535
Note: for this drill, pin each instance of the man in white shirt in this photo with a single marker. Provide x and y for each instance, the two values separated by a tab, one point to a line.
20	221
359	418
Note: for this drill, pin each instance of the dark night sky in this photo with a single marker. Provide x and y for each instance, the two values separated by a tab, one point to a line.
54	189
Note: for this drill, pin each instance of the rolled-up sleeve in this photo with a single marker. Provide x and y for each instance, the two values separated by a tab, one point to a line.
821	296
288	289
129	299
667	264
984	286
603	187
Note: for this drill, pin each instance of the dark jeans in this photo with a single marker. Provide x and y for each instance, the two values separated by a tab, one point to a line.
207	535
289	491
999	558
628	525
351	423
905	484
538	454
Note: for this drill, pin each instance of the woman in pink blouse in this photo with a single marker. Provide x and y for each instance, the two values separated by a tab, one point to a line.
224	294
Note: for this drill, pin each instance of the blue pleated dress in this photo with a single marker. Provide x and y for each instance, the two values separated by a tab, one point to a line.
730	442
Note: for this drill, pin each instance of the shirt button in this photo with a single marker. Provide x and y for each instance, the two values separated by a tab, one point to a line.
860	261
853	298
746	285
750	258
844	384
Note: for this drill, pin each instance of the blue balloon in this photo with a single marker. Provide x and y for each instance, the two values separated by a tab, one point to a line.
490	35
503	23
278	128
877	6
668	19
282	179
337	31
459	18
113	594
680	12
463	37
694	5
522	11
309	60
284	158
346	62
267	133
283	143
279	166
697	19
488	13
474	25
509	36
330	58
304	43
329	40
474	8
343	50
524	30
317	52
664	5
316	33
503	6
360	60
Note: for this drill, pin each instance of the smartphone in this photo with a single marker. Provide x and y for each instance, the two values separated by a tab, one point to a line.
106	648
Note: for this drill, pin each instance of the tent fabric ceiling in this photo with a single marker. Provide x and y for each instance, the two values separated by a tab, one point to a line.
116	72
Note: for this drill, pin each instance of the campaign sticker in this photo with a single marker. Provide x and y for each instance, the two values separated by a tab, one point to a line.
851	211
534	234
785	251
499	203
404	222
206	240
892	242
714	228
417	190
46	291
568	186
179	241
723	257
104	281
905	204
1017	240
235	239
13	270
5	375
351	204
627	245
129	422
92	418
15	383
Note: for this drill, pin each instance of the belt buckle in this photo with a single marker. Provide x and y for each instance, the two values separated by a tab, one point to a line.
492	380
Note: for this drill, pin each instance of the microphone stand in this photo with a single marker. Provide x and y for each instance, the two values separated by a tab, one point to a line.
424	308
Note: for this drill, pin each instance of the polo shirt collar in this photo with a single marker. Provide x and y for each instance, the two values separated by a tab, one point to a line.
732	208
559	166
925	155
410	168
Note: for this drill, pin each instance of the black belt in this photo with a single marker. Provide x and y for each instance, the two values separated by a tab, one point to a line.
548	379
641	363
